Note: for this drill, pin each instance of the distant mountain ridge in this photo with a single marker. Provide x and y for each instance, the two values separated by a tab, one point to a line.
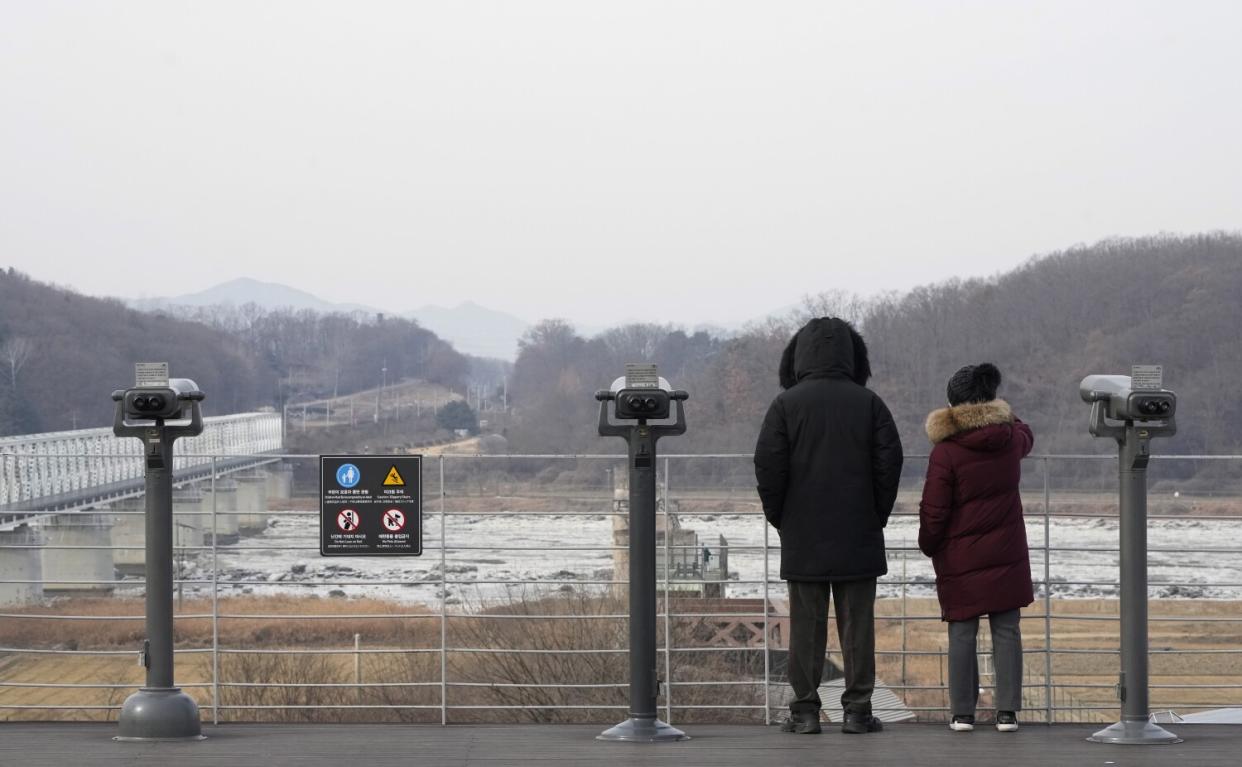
244	290
470	328
63	353
474	329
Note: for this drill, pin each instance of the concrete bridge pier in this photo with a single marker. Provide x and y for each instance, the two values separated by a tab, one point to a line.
189	520
252	502
222	505
21	565
279	482
78	571
129	536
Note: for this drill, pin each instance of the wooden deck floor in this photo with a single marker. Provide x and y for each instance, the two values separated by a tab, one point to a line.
924	745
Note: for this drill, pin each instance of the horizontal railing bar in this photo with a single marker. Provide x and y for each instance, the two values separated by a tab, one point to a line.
538	707
320	707
359	616
1067	651
300	685
97	617
37	707
66	685
517	685
604	651
31	651
431	514
516	651
549	582
308	457
730	548
486	616
350	651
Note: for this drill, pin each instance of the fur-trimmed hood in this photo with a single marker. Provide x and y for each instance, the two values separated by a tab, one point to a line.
949	421
825	347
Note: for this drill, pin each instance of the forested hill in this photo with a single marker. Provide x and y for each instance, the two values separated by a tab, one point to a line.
1099	309
1172	301
62	354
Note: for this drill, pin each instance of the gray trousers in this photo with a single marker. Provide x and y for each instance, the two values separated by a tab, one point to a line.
1006	662
808	640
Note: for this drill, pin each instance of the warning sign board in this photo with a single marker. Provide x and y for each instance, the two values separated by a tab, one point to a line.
370	505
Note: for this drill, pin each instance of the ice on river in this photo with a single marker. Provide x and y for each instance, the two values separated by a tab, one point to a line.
490	556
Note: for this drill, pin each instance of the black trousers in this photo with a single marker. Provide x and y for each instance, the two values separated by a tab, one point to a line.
808	639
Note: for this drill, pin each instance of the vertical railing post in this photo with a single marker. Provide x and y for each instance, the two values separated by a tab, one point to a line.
443	603
668	641
905	558
6	482
1047	596
215	604
358	668
767	631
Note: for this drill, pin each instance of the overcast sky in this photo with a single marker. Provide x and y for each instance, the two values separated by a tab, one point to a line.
673	161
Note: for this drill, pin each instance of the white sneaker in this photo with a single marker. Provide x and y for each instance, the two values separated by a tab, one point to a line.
962	723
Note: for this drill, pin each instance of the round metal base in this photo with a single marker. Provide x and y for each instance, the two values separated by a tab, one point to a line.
159	714
635	730
1135	733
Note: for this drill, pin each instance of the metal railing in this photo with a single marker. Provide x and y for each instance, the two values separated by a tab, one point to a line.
1067	671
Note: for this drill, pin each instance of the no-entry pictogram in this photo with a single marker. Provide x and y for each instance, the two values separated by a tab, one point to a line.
347	520
393	520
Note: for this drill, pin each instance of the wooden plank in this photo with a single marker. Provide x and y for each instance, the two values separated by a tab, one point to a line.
44	745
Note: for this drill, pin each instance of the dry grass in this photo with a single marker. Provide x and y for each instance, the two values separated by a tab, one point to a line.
391	681
1086	679
263	678
333	621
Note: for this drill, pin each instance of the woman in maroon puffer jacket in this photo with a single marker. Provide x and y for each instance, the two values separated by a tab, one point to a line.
971	525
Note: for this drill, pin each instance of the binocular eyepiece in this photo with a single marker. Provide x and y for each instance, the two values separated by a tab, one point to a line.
146	404
642	404
150	403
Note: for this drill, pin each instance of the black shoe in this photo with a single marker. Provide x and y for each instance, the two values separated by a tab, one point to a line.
962	723
1006	721
802	723
857	724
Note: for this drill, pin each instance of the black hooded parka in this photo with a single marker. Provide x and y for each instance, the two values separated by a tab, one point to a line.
828	459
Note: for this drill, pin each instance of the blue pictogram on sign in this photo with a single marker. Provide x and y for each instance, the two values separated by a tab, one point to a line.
348	475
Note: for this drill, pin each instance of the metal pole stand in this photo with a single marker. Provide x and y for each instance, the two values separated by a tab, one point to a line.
1135	727
643	726
159	710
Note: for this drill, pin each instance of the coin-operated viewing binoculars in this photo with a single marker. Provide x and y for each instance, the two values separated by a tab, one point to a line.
159	412
1133	410
639	398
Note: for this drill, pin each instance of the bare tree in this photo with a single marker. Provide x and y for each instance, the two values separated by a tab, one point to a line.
832	303
15	351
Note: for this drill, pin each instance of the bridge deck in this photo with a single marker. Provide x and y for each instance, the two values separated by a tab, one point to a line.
45	745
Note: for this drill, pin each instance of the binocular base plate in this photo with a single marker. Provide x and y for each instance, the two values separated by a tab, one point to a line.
636	730
1134	733
159	714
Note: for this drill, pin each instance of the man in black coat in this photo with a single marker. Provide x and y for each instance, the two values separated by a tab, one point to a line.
828	461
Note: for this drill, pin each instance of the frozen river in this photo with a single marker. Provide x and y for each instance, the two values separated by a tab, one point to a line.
490	556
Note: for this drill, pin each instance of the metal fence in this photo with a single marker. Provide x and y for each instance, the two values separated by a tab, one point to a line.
508	534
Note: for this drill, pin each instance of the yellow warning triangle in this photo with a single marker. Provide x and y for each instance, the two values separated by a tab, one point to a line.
394	478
